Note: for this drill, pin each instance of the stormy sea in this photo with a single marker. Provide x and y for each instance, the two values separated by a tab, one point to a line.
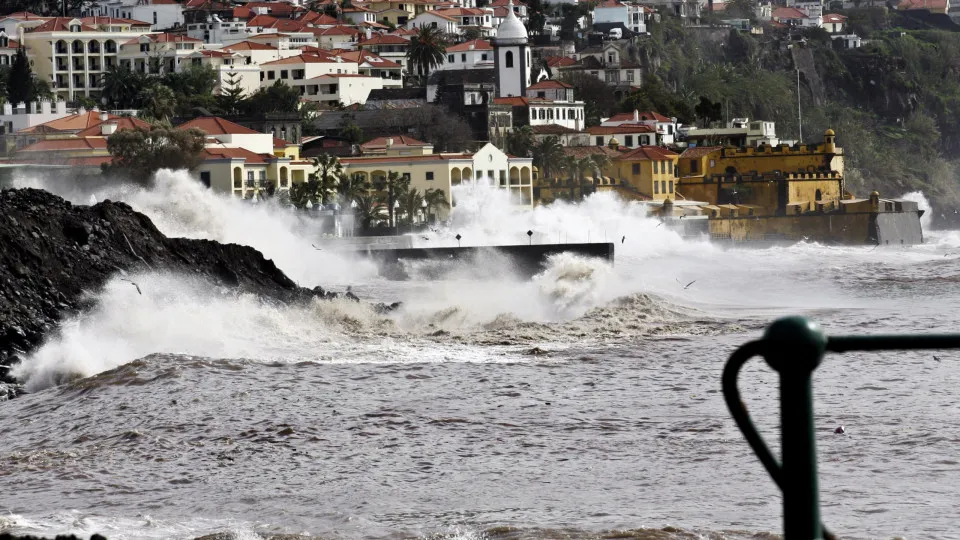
582	403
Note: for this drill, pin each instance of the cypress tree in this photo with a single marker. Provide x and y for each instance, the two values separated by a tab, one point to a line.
20	85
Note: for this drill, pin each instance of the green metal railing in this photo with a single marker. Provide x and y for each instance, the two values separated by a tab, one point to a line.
794	347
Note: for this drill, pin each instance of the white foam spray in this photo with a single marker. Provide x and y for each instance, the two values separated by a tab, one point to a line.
918	197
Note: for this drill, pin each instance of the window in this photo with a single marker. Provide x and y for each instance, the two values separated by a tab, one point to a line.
635	168
670	167
694	165
450	58
483	57
205	178
263	176
628	140
509	59
656	187
541	94
284	74
271	75
713	163
144	47
600	140
155	21
463	57
671	187
630	75
430	176
656	168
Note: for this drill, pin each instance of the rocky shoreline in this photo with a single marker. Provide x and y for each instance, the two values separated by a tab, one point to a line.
54	253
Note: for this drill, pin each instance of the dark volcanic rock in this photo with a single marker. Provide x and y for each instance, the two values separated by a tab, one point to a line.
53	252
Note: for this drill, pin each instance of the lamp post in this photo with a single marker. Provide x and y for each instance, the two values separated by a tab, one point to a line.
396	217
423	210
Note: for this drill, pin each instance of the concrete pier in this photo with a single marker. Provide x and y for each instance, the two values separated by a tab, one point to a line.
527	259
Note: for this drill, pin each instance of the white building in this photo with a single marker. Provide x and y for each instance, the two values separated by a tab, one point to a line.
476	54
512	56
345	89
665	128
232	135
614	11
23	116
158	53
435	19
552	103
297	71
72	54
161	14
834	23
478	18
8	49
215	30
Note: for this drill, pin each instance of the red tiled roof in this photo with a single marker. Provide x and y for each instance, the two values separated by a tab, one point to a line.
834	18
428	157
280	143
610	4
312	17
213	125
653	153
66	145
699	151
249	46
475	45
398	140
362	56
124	122
339	30
617	130
60	24
308	58
789	13
517	101
560	61
22	15
233	153
549	84
586	151
70	124
939	5
383	39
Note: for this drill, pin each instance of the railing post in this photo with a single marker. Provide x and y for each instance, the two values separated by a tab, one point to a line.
795	349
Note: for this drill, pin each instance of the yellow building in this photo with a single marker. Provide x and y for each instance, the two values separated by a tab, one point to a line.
766	180
650	170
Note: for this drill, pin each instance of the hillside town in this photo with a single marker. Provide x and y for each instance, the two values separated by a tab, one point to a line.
387	105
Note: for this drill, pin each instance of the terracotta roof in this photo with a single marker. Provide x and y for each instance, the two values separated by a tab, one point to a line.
312	17
610	4
939	5
167	38
560	61
653	153
72	123
213	125
212	53
308	58
280	143
428	157
124	122
517	101
553	129
549	84
60	24
250	46
383	39
477	45
617	130
368	57
642	115
789	13
398	140
436	13
22	15
460	12
834	18
233	153
339	30
699	151
497	3
66	145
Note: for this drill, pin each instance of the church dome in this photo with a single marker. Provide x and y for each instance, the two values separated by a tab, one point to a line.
511	31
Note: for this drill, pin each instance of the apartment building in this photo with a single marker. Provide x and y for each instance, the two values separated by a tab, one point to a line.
343	88
231	68
72	53
475	54
389	46
158	53
372	65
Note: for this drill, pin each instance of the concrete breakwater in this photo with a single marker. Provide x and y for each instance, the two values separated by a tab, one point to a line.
526	259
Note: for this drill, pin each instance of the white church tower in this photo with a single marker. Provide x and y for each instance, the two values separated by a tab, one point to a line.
511	56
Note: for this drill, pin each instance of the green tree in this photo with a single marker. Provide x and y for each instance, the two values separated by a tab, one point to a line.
436	200
599	99
351	187
411	203
20	86
276	98
368	209
158	102
391	188
350	131
122	87
520	141
327	172
231	94
140	152
547	156
427	49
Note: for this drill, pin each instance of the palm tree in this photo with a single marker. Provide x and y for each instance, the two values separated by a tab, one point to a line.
411	202
393	188
327	174
158	102
427	49
547	155
369	209
122	86
436	199
600	162
520	141
351	187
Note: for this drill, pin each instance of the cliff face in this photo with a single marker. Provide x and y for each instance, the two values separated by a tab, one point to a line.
53	252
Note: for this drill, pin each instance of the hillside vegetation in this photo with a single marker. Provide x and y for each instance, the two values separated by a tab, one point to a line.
894	103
